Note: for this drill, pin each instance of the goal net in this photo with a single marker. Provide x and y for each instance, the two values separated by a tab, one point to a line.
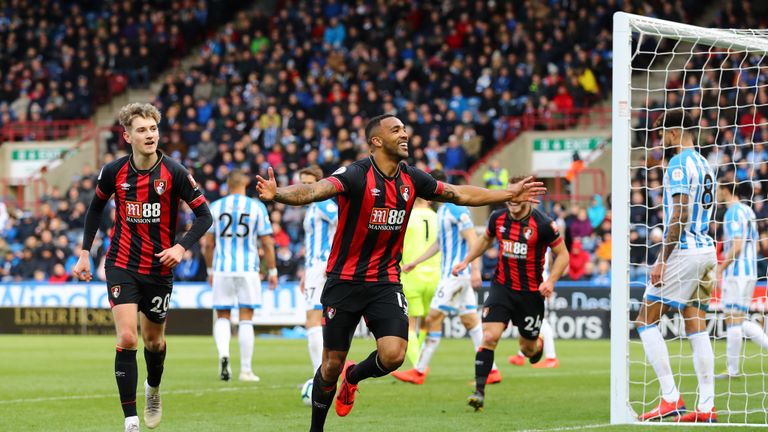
720	78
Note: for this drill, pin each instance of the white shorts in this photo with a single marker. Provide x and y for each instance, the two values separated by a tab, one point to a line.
455	294
687	281
241	290
314	281
737	294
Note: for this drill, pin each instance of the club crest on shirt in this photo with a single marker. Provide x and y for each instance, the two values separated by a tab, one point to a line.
405	191
527	233
160	186
115	290
330	312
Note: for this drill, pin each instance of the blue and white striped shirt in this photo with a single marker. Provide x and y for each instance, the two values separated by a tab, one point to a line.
238	221
740	224
451	221
689	173
319	227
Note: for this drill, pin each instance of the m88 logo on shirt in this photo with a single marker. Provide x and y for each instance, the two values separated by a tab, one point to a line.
386	219
513	249
140	212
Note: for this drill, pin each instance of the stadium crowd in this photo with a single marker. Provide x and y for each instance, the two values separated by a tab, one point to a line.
59	60
296	87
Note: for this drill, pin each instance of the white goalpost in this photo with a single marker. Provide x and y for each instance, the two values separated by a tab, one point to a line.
720	78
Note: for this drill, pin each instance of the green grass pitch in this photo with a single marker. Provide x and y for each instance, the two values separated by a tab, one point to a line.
66	383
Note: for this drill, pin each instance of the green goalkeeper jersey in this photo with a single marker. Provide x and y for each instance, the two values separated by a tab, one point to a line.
419	235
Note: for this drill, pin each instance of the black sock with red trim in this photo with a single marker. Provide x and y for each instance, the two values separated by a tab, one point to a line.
322	396
127	375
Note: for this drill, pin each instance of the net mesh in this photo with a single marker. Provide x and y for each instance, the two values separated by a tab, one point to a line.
720	77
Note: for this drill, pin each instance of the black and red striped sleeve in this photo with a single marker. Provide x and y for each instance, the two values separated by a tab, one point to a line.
187	189
348	178
105	187
490	229
549	233
426	186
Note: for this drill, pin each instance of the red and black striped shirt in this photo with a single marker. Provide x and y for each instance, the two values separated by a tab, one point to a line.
522	248
373	214
146	206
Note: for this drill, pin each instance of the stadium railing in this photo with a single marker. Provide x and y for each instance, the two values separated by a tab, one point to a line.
44	130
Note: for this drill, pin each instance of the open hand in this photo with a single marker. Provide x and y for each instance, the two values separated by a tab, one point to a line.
267	189
527	190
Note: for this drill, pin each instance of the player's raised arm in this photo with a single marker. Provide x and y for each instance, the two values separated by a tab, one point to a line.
475	252
525	190
298	194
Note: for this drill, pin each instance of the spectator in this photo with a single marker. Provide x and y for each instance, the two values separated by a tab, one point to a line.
59	274
596	212
496	177
603	275
578	262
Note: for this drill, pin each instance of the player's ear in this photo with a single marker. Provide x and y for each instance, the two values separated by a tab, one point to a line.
127	136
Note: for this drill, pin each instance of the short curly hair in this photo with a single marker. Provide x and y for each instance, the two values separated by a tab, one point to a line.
137	109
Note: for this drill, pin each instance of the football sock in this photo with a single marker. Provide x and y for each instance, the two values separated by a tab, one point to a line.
549	339
476	334
245	337
422	336
733	345
155	365
483	364
755	334
658	355
368	368
428	350
704	364
322	396
412	352
126	374
222	332
315	345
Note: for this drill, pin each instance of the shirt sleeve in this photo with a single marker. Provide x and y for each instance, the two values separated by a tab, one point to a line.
187	188
105	183
549	233
426	186
463	219
329	210
734	227
347	178
490	229
677	177
264	226
214	207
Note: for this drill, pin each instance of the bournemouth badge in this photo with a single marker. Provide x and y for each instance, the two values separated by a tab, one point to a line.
330	312
405	191
160	186
115	290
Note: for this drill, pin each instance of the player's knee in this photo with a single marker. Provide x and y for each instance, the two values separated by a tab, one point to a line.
528	347
490	339
391	359
127	339
331	368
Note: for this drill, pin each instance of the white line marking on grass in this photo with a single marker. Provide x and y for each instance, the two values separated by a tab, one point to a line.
569	428
165	392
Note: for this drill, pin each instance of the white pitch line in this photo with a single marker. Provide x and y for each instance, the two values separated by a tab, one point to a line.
166	392
569	428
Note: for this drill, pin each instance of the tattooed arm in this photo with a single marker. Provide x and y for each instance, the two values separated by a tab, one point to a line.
677	221
526	190
298	194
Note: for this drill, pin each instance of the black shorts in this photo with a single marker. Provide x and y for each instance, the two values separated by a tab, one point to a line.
382	305
524	308
151	293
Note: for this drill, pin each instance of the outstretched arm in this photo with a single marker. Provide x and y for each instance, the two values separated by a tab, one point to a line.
298	194
526	190
433	249
475	252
